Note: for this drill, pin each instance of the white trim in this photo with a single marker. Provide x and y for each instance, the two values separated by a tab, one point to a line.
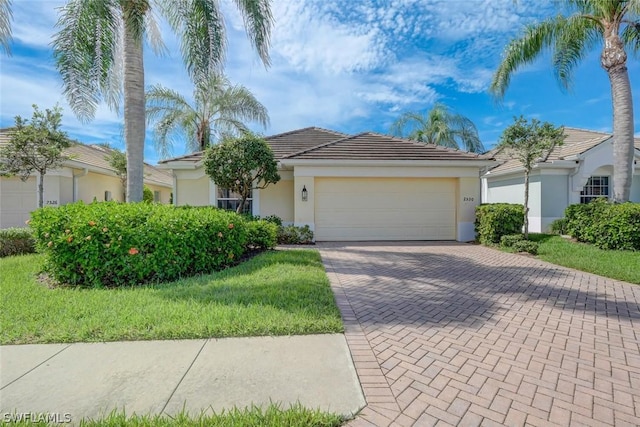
472	163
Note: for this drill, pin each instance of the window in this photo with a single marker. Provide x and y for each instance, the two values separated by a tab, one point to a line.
229	200
156	196
107	196
597	186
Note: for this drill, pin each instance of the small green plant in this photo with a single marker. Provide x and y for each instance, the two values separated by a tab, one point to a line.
495	220
510	239
292	235
559	226
274	219
147	195
261	234
525	246
16	241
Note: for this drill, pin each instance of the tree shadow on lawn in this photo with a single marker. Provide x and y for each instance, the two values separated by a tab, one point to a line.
389	287
291	280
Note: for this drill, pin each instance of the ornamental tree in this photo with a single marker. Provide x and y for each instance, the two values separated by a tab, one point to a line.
530	143
242	165
35	146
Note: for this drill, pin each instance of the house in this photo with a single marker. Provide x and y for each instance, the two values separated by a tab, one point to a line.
354	187
87	176
576	172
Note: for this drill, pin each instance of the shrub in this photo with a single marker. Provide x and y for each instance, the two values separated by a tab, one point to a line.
495	220
526	246
559	226
292	235
147	194
274	219
619	228
16	241
510	239
606	225
115	244
261	234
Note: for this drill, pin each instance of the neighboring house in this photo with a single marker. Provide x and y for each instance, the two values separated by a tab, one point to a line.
359	187
87	176
576	172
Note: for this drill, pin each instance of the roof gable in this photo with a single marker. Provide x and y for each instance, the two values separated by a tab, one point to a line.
374	146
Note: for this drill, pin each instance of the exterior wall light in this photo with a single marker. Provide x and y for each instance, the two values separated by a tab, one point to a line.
305	193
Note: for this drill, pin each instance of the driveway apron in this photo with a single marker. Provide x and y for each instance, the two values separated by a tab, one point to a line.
458	334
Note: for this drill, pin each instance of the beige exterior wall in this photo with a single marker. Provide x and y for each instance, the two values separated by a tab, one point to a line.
165	193
278	199
17	199
468	197
193	192
93	186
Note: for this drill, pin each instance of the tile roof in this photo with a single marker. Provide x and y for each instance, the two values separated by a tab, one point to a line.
577	142
374	146
282	144
94	155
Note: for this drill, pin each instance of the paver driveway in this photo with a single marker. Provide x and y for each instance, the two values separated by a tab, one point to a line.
458	334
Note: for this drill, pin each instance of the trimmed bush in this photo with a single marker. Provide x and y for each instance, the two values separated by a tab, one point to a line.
559	226
494	220
116	244
261	234
274	219
292	235
147	194
16	241
525	246
510	239
605	225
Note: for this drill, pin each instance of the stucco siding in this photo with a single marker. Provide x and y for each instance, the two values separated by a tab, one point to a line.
93	186
165	193
635	189
193	192
66	190
555	193
278	200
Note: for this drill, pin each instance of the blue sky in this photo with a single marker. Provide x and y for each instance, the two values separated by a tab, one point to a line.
347	65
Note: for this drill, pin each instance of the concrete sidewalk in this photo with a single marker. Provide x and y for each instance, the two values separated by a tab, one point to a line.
153	377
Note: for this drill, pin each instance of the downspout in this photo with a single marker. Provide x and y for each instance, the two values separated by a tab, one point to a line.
84	172
175	188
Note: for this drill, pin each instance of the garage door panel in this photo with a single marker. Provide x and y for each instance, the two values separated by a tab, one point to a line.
17	199
385	209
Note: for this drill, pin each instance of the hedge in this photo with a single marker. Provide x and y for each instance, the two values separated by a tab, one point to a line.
494	220
116	244
605	225
261	234
16	241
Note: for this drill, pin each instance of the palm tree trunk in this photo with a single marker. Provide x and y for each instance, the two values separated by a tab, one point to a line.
526	204
134	113
614	60
622	134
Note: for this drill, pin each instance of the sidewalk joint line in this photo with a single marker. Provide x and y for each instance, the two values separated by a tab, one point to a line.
184	375
36	367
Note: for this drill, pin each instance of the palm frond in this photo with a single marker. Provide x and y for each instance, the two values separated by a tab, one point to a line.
575	37
85	52
631	37
408	119
6	15
258	22
522	51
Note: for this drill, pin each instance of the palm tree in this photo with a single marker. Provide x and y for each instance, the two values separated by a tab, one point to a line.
613	23
98	52
5	25
439	126
219	109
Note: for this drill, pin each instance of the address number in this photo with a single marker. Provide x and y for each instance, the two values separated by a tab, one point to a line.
467	199
52	202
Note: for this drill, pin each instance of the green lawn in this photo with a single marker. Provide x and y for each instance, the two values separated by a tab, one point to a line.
621	265
272	416
274	293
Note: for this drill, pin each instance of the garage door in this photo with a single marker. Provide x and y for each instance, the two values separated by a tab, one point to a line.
385	209
17	200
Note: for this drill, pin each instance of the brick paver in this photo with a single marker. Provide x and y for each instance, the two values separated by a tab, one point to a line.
458	334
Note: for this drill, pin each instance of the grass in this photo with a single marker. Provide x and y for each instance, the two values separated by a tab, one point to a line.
274	293
620	265
273	416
